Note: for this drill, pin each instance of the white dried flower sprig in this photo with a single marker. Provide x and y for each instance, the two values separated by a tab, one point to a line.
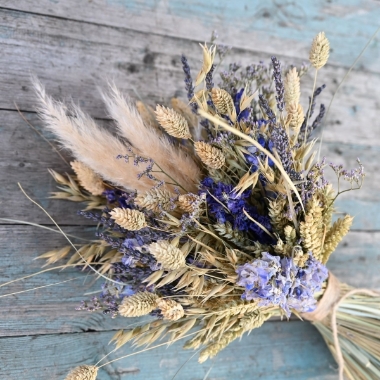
173	122
83	372
319	52
209	155
132	220
137	305
87	178
170	309
168	255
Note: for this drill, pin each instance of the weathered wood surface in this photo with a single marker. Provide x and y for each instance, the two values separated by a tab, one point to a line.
276	351
73	47
284	27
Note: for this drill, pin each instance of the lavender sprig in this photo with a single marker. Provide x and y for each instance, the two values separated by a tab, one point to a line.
278	83
268	111
189	83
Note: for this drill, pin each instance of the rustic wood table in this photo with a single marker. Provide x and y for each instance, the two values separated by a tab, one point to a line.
74	47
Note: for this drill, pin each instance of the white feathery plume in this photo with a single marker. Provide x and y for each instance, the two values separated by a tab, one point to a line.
150	143
89	143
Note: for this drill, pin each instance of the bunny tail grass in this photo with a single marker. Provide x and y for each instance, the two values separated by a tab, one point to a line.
149	142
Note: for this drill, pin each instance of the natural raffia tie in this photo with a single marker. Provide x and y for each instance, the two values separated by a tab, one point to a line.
329	305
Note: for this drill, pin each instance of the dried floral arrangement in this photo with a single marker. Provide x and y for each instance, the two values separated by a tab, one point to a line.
214	215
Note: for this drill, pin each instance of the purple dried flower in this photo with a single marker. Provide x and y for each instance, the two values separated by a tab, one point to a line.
208	80
268	111
278	84
189	83
275	281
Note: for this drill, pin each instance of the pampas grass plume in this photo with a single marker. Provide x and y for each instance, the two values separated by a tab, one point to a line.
149	142
90	144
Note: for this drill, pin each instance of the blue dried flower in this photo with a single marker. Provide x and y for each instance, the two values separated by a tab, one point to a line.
227	206
244	115
276	281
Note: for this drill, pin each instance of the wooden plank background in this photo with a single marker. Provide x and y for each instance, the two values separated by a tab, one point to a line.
74	47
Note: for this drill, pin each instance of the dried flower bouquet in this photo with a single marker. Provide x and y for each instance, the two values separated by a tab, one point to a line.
213	216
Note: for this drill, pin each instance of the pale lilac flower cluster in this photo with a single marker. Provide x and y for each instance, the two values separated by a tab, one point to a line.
277	281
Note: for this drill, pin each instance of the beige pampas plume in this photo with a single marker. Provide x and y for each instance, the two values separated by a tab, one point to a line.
147	114
87	178
319	52
150	143
90	144
83	372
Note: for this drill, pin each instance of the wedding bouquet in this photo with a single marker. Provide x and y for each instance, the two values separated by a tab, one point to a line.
214	215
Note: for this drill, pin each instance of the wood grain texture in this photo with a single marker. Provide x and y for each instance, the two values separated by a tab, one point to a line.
52	309
73	47
74	59
276	351
284	27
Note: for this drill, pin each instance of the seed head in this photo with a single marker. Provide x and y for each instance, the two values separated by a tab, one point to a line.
319	52
87	178
223	103
156	200
166	254
83	372
170	309
137	305
132	220
173	122
210	156
292	88
208	59
186	202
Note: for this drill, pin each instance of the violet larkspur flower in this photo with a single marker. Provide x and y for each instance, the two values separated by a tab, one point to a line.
227	206
255	153
277	281
243	115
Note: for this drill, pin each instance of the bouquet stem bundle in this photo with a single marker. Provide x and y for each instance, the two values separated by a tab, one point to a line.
349	321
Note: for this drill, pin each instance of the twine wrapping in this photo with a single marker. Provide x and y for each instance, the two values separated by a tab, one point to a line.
328	305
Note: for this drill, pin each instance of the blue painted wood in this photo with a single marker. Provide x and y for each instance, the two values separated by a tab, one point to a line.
252	24
139	43
276	351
